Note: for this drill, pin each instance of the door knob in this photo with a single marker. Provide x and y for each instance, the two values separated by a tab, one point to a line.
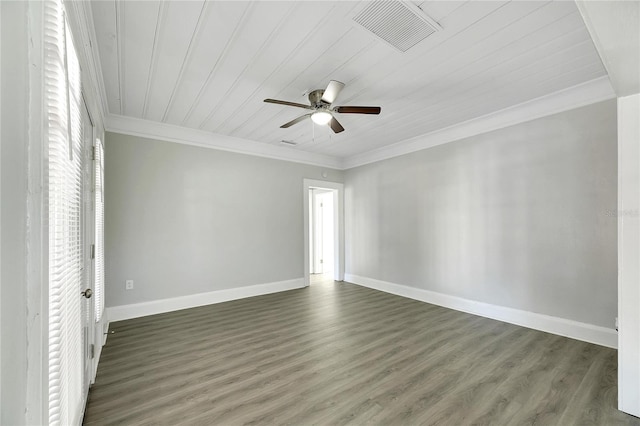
87	293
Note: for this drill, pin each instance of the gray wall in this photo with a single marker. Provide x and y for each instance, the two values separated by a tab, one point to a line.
520	217
182	220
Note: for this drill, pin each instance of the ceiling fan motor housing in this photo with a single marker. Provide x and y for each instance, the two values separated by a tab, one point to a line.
315	98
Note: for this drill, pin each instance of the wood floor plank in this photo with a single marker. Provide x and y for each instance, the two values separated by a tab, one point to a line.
340	354
465	376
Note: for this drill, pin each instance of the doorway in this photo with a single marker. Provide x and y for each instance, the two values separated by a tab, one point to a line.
321	259
324	230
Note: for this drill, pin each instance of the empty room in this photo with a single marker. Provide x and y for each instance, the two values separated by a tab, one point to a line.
319	212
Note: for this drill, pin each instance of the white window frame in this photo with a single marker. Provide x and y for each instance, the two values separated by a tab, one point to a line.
64	143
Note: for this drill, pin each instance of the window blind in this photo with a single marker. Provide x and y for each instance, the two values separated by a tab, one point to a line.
99	230
64	133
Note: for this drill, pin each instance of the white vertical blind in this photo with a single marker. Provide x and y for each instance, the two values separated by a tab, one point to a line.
99	230
64	133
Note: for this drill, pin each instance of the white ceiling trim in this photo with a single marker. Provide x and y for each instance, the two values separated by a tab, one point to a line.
81	22
153	63
223	56
187	58
615	30
574	97
120	52
187	136
593	91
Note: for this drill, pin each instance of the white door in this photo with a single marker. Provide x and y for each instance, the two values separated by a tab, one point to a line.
88	217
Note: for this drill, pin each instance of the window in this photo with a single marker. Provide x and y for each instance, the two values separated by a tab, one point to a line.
63	101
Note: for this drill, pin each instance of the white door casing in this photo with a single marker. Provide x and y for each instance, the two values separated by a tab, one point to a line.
338	229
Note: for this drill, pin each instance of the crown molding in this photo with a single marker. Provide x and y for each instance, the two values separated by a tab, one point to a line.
187	136
593	91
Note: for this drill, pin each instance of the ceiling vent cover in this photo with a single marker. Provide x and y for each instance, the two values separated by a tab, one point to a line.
401	24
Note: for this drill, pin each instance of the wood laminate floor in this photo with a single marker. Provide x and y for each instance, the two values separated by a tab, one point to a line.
337	353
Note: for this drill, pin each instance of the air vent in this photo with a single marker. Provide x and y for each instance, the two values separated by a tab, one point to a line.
401	24
290	143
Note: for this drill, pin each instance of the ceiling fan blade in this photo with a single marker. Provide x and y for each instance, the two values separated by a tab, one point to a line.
335	126
357	110
294	121
293	104
332	91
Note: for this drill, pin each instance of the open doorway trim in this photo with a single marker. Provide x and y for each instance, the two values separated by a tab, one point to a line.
338	230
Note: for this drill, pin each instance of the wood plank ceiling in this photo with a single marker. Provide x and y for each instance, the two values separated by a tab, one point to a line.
209	64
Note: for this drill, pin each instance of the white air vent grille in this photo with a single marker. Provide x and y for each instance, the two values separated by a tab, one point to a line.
399	23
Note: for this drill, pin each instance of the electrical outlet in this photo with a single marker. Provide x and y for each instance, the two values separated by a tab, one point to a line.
128	285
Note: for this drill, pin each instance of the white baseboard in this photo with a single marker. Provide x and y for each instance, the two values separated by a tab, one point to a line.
136	310
560	326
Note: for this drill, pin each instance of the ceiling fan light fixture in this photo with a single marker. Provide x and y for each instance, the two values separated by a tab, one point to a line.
321	117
